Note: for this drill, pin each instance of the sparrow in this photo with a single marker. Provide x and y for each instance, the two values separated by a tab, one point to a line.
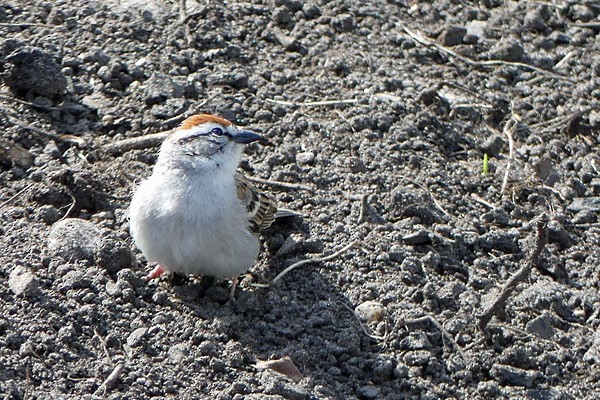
196	214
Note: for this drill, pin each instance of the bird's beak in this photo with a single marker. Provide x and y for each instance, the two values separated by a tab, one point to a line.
246	137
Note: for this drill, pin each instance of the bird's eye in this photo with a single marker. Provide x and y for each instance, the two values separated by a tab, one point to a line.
217	131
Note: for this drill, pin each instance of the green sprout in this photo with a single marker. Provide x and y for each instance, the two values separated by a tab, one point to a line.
486	164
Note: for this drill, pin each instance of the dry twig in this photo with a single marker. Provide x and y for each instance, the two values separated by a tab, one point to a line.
184	21
24	125
509	129
312	103
313	260
488	63
111	380
540	238
286	185
140	142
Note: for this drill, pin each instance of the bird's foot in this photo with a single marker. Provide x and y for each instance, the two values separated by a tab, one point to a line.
234	283
155	273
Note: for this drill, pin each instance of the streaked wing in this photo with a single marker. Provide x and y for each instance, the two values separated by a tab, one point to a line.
260	207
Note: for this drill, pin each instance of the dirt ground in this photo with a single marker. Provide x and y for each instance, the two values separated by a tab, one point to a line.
454	143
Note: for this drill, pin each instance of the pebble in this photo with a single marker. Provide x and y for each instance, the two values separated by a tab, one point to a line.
509	375
22	282
34	70
178	353
541	327
453	35
11	154
78	239
368	392
370	311
160	87
585	204
74	239
305	158
135	338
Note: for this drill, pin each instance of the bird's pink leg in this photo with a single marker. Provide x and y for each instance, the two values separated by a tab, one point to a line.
155	273
234	283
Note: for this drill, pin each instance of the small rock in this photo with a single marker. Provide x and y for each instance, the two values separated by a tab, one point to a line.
534	21
585	203
114	254
417	358
593	353
160	87
22	282
512	376
74	239
135	338
368	392
33	70
104	73
48	214
507	50
13	155
541	327
370	311
305	158
291	244
178	353
493	145
420	237
382	370
505	241
75	279
343	23
453	35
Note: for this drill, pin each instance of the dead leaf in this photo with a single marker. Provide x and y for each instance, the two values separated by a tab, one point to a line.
284	366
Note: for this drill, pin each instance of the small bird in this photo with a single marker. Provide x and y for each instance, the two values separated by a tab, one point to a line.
197	214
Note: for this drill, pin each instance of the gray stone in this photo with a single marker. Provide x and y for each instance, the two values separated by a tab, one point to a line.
178	353
541	327
305	158
507	50
509	375
585	204
74	239
370	311
593	353
368	392
453	35
160	87
22	282
34	70
135	338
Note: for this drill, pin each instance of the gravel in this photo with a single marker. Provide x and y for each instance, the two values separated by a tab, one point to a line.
394	161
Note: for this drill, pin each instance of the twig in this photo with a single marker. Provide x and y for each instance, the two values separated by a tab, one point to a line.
312	103
313	260
430	43
509	129
364	328
183	20
540	238
436	323
28	103
25	24
437	204
364	209
20	192
140	142
110	380
478	199
64	138
286	185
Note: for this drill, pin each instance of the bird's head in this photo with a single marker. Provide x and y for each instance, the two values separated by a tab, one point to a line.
205	143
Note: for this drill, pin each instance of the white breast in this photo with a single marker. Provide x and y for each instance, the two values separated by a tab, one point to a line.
193	226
